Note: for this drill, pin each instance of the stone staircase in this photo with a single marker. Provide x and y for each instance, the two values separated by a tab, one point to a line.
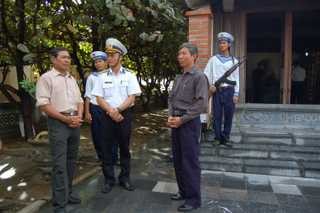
293	153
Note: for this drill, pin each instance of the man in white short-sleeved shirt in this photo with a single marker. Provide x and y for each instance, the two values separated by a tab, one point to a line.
115	92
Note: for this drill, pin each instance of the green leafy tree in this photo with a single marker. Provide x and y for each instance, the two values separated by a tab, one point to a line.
151	29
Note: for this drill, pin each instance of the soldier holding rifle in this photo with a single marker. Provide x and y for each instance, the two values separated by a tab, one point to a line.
224	87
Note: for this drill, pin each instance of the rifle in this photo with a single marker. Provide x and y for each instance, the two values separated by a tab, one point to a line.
224	77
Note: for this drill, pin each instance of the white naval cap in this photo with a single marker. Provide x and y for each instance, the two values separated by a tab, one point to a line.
96	55
224	36
114	45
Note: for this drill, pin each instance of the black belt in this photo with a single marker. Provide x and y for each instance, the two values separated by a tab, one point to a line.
179	112
226	87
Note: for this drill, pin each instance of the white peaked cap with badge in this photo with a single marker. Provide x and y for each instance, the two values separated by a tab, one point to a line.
224	36
96	55
114	45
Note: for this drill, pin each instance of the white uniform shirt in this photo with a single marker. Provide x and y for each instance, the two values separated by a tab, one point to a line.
298	74
92	79
115	89
217	67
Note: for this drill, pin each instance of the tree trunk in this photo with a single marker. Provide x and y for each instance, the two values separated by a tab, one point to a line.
146	98
77	61
26	101
95	36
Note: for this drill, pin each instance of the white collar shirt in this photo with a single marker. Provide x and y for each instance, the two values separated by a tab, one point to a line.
216	68
92	79
115	88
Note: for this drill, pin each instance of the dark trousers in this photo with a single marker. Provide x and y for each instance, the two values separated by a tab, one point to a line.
297	92
185	149
64	144
97	115
119	134
223	109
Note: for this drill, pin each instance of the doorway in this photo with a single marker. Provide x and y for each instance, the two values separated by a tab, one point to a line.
306	58
264	57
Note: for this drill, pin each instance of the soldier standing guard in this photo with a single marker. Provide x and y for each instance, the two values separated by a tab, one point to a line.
115	92
187	100
226	96
93	112
58	95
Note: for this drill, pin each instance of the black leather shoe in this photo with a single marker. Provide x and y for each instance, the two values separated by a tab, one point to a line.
177	197
106	188
74	200
127	186
185	208
226	144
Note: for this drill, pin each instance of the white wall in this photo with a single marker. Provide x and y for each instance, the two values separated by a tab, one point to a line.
12	79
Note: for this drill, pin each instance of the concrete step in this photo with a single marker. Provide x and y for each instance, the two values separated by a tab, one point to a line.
295	156
266	133
283	163
250	162
307	140
311	169
274	171
303	138
261	137
273	139
222	160
261	154
273	136
224	167
269	147
267	139
237	153
312	174
269	152
300	140
243	153
282	168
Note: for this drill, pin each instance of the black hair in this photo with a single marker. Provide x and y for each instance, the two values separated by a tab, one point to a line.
55	51
229	50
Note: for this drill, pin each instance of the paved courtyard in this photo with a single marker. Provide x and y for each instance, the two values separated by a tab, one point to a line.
222	192
153	175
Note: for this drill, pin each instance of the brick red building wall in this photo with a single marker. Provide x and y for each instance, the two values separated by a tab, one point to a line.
200	33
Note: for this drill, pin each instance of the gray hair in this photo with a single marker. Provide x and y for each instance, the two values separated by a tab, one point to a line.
193	49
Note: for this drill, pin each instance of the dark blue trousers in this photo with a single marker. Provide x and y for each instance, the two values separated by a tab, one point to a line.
223	109
297	92
119	134
185	149
96	131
